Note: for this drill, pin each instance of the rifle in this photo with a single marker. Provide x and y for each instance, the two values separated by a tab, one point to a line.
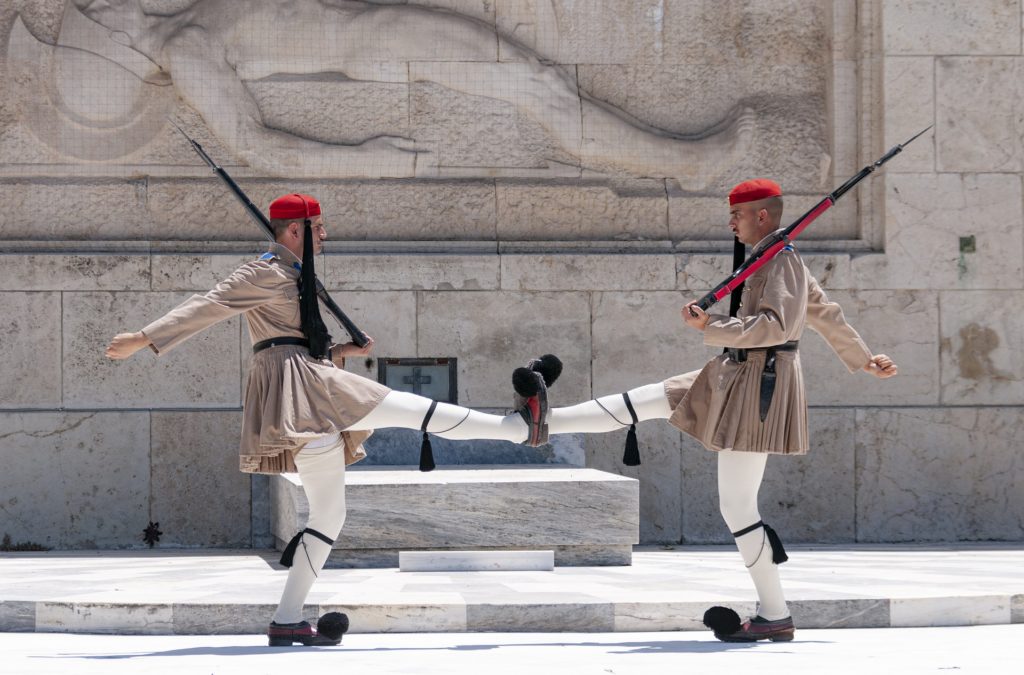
781	238
358	336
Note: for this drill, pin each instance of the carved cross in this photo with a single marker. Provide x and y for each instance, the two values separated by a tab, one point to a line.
416	379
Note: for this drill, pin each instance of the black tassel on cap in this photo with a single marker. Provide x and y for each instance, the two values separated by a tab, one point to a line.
426	451
631	456
313	326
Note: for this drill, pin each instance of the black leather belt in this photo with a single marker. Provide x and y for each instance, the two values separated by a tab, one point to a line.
278	342
768	374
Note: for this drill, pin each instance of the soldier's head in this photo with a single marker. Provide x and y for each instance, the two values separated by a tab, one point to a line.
288	216
755	209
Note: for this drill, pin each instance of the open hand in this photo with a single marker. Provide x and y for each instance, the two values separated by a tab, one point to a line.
125	344
881	366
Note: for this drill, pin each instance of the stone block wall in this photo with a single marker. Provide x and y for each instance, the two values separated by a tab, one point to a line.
927	259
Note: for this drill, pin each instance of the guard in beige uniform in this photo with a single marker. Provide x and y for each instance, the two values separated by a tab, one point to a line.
303	412
748	402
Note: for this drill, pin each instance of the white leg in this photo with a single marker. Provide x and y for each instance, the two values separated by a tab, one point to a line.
609	413
323	478
739	479
406	411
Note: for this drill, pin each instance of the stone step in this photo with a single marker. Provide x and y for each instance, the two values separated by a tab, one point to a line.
587	517
476	561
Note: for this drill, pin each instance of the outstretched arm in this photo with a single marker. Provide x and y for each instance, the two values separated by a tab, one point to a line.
827	319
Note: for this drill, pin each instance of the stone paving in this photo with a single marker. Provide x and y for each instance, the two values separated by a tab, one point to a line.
166	592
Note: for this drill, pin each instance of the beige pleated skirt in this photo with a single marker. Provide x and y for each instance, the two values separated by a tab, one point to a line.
720	405
291	398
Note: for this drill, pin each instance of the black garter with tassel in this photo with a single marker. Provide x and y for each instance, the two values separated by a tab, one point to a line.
631	456
288	555
426	451
779	554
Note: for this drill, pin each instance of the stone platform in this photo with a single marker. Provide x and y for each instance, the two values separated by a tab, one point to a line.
587	517
166	592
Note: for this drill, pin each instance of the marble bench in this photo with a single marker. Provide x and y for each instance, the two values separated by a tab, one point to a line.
586	516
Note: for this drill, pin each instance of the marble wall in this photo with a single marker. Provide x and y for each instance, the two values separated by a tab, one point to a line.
927	259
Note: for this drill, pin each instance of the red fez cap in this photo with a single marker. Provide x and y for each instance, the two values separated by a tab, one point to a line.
294	206
753	190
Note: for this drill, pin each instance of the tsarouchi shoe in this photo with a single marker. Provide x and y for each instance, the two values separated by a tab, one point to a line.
531	395
727	627
330	628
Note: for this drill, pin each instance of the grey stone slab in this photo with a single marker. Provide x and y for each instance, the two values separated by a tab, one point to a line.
977	114
202	373
224	619
205	210
932	474
926	217
980	338
516	327
581	210
827	613
198	273
476	561
401	447
1017	608
901	324
983	27
80	209
587	272
31	342
199	496
910	107
808	498
530	617
17	616
659	475
399	272
67	272
472	509
88	483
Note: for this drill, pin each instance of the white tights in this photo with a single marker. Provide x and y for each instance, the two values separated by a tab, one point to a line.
322	471
406	411
321	466
739	480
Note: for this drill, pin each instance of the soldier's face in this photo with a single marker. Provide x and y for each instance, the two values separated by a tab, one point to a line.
744	223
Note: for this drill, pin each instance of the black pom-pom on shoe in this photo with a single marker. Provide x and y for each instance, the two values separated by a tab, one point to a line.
549	366
722	620
524	381
332	625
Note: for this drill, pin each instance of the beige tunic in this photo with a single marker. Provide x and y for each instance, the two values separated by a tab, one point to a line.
290	398
720	404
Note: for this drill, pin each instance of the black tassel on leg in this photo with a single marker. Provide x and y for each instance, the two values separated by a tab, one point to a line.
288	555
779	555
631	456
426	451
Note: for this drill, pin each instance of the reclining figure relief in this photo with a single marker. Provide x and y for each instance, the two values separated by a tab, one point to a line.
213	50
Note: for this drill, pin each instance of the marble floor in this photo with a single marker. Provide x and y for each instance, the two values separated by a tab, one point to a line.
165	592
